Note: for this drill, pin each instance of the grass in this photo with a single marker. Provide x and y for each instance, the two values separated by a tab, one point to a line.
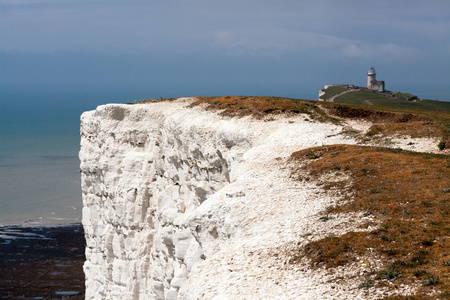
358	97
397	120
390	274
413	297
411	201
326	218
150	100
374	130
402	100
419	272
432	280
406	96
260	107
416	104
333	90
407	192
389	120
367	284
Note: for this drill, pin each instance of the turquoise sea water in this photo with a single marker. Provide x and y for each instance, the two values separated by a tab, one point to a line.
39	166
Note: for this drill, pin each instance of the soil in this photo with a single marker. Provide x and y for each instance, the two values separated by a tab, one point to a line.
42	262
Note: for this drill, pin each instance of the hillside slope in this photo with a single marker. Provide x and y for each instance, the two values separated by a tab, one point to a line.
363	96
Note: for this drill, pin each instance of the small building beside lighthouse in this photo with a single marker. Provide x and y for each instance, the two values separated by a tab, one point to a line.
373	83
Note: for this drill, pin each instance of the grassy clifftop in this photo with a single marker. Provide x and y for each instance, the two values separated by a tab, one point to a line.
401	100
387	120
408	194
362	96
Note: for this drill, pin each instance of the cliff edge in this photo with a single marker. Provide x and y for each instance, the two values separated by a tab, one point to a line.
181	202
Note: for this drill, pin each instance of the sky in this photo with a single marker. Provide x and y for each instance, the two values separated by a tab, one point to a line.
131	50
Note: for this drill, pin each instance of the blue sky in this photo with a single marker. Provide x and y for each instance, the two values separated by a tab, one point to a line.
136	49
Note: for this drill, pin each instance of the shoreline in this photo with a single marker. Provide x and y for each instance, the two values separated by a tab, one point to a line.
31	230
48	218
42	262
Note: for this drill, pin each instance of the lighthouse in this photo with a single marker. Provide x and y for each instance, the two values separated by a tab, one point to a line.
372	83
371	76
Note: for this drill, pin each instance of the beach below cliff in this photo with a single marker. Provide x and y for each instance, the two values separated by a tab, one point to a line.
42	262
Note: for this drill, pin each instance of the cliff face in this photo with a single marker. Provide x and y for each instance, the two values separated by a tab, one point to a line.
181	203
145	169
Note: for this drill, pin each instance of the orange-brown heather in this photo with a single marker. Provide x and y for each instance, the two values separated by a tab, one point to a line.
395	121
409	193
259	107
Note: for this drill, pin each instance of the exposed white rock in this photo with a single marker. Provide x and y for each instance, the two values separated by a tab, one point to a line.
180	203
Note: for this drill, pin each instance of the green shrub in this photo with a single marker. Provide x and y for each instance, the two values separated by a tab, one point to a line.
419	273
326	218
390	274
374	130
365	285
432	280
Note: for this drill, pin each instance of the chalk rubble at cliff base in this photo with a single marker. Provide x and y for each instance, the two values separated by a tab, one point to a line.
181	203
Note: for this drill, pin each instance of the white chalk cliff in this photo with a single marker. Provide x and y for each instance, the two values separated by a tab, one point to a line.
180	203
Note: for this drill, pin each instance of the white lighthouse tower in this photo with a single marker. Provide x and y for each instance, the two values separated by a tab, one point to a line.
372	83
371	76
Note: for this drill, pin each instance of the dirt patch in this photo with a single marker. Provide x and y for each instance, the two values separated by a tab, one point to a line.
409	193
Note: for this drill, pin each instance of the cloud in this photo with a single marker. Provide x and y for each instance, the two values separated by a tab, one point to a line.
389	50
275	40
227	39
280	41
174	27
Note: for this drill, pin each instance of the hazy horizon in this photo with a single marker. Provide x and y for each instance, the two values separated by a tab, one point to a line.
119	51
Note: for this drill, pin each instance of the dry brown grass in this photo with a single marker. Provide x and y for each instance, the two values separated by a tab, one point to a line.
397	121
408	192
374	116
260	107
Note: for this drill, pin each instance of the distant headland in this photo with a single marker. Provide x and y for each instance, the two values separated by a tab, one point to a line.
375	93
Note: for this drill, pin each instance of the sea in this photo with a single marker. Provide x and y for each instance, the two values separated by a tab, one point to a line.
39	165
39	144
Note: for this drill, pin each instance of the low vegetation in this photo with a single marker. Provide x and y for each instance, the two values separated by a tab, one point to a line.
392	99
398	121
150	100
388	120
407	193
358	97
333	91
260	107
